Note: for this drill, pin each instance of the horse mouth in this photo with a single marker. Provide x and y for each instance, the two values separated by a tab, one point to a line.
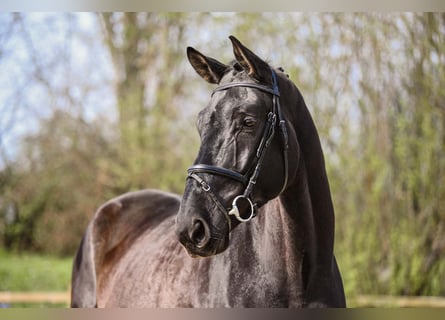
211	249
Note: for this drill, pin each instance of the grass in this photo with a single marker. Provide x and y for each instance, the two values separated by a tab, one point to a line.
32	272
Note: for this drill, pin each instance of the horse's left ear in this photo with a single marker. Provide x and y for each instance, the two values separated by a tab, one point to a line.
254	65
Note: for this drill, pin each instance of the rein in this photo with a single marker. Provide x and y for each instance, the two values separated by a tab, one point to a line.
248	181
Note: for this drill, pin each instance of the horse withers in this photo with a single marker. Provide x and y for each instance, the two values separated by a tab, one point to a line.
256	218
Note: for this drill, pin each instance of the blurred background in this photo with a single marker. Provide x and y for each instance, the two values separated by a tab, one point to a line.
95	105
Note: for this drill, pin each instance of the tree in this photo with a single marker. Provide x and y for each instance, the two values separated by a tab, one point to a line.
149	83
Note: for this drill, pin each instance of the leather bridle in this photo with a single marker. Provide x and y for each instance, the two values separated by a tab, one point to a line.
248	179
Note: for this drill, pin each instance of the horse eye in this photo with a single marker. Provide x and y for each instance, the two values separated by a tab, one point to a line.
249	122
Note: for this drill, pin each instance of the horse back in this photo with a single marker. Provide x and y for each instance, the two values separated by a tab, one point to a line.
114	228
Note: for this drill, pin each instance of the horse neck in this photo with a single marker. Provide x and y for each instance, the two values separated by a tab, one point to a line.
303	216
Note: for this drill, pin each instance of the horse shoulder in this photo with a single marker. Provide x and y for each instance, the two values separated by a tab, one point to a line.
114	228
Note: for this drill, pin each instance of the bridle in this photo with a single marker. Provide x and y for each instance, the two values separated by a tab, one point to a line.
247	180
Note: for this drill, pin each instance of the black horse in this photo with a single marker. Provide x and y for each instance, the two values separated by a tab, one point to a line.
256	204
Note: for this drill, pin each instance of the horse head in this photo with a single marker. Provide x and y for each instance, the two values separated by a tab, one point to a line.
242	162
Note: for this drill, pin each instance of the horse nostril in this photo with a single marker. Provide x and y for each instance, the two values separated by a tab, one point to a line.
198	234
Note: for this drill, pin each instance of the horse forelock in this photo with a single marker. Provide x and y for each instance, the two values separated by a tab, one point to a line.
235	73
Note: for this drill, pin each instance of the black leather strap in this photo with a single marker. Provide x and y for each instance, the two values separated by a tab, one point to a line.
223	87
204	168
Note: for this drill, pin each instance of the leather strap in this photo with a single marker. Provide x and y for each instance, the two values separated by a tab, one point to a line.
204	168
273	90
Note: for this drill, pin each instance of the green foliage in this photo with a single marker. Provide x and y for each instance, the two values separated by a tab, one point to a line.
392	190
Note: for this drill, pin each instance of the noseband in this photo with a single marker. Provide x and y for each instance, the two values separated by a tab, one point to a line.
247	180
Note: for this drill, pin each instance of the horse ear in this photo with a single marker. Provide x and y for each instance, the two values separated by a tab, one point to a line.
208	68
255	66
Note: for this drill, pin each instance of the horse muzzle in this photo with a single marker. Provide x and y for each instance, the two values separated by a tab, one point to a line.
199	239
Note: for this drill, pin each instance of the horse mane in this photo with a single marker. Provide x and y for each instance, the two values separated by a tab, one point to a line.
318	184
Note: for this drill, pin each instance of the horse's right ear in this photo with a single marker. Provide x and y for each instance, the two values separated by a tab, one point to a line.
208	68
